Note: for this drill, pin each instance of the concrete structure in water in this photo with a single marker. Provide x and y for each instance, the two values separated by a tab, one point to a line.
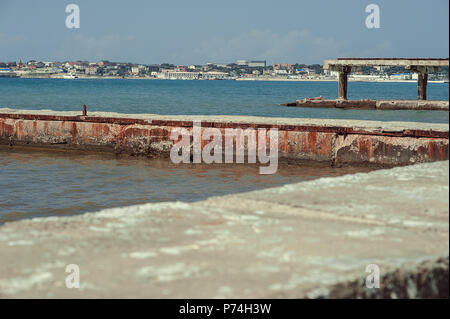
333	142
417	105
421	66
346	65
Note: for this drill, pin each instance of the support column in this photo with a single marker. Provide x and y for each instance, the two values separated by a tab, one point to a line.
422	81
343	82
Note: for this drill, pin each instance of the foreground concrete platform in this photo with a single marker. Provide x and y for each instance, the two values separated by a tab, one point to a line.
312	239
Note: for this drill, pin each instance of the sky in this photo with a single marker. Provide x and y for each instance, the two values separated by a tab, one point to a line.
211	31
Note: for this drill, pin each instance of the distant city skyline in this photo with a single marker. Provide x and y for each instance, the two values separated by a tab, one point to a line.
200	31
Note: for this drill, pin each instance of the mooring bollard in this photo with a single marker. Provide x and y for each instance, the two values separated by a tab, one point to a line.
84	110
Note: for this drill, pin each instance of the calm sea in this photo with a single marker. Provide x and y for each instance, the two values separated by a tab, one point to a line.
212	97
41	183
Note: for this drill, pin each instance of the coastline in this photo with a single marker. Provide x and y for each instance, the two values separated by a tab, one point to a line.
261	79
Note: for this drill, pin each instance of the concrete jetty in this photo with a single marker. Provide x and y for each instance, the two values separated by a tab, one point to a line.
307	240
347	65
334	142
372	104
421	66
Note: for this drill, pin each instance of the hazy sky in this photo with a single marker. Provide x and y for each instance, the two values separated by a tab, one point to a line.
201	31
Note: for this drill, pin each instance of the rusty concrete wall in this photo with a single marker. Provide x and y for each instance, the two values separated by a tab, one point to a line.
329	144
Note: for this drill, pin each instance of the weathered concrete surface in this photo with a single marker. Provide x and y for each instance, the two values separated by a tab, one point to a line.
332	141
373	104
405	62
298	240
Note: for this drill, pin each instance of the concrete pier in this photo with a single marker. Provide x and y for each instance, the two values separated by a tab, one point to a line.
306	240
335	142
373	104
420	66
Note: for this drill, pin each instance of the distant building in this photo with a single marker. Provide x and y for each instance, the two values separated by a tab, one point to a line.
281	72
178	75
135	70
283	66
256	64
153	68
221	65
138	69
214	75
252	64
180	68
7	73
91	70
401	76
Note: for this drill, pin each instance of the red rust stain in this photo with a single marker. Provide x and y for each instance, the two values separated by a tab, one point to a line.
285	142
435	151
74	133
304	143
135	132
312	140
325	145
100	130
6	129
365	148
34	130
19	131
430	150
162	132
441	153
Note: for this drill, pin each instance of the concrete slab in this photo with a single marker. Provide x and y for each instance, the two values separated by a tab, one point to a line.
372	104
405	62
299	240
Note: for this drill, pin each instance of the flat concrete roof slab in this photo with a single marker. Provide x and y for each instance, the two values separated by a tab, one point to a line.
406	62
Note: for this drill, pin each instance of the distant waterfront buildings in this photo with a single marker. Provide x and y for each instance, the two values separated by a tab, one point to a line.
7	73
241	70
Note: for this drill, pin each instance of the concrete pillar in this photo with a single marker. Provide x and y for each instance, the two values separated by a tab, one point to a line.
422	81
343	82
